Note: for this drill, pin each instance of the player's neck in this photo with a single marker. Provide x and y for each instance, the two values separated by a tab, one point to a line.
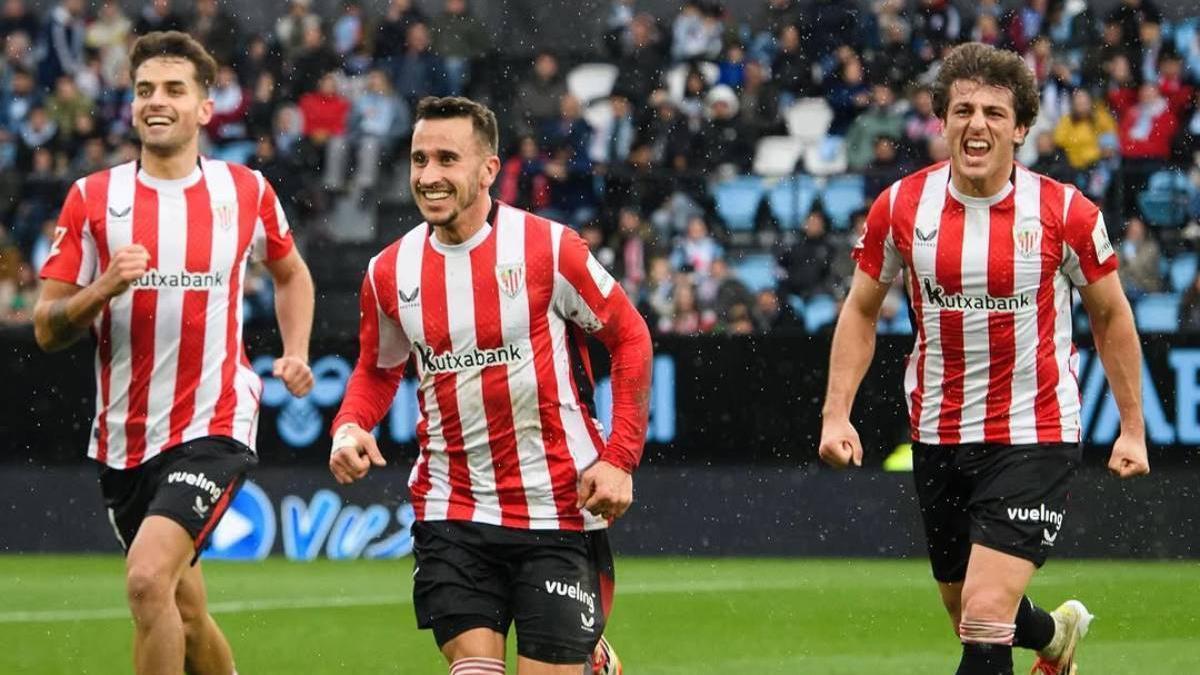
982	188
468	223
170	167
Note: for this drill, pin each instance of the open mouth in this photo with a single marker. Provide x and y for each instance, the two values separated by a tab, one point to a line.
977	147
435	195
155	121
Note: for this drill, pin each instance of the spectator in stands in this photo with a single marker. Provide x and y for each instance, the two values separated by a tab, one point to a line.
834	25
921	125
655	302
987	30
768	23
695	33
20	97
1152	46
41	194
631	247
325	112
284	175
936	24
226	130
758	101
1088	136
808	263
311	61
894	61
348	30
1072	27
771	315
92	158
18	297
695	96
1189	308
848	95
697	250
1098	57
459	39
616	25
886	166
1173	83
114	107
260	114
572	195
721	291
880	119
667	133
36	132
1050	159
419	72
842	263
1140	259
391	33
1187	141
738	321
62	42
613	138
66	104
157	15
792	69
537	97
1146	130
723	147
686	316
378	121
522	181
18	54
291	27
108	35
1131	14
258	58
640	63
15	17
217	30
732	67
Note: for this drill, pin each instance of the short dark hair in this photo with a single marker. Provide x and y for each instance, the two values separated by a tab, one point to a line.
988	65
483	120
174	44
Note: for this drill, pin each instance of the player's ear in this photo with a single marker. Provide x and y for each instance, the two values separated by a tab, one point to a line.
489	171
1019	134
206	110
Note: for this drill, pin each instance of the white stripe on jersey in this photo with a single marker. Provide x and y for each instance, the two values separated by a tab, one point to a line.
1027	277
168	315
118	233
924	256
976	339
522	377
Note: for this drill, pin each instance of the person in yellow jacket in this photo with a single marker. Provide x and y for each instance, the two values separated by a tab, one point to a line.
1088	137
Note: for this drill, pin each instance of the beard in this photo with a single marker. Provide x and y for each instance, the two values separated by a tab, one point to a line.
460	205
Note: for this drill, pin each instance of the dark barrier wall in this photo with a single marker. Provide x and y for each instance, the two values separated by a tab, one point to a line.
715	401
302	514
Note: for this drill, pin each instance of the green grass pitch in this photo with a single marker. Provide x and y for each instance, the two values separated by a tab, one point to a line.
672	616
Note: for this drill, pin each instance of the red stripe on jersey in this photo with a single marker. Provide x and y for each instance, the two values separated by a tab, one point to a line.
96	195
436	319
539	284
949	275
142	326
245	185
497	404
577	355
194	319
1002	337
385	283
421	486
1046	411
903	216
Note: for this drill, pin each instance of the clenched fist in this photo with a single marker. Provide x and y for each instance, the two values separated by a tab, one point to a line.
295	375
126	266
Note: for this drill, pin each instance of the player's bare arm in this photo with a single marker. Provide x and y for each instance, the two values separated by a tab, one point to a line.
1121	354
849	358
64	311
294	312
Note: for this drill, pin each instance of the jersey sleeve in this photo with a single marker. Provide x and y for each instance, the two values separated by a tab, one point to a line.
1088	254
272	234
584	292
383	351
876	252
72	256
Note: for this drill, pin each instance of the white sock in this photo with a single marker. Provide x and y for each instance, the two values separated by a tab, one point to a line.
477	665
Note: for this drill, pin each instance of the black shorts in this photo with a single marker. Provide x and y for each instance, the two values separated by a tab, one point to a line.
1011	498
192	484
556	585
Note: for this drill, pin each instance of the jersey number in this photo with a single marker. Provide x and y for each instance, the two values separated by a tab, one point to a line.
59	233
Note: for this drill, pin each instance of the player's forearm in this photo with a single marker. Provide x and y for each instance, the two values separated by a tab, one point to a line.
59	323
1121	354
294	311
628	342
850	356
369	393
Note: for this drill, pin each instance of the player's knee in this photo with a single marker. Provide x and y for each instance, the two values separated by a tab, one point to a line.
147	585
987	605
987	618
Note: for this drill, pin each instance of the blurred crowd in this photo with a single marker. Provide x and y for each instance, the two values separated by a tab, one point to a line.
322	105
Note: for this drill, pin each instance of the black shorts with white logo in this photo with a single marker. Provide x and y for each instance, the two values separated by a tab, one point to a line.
192	484
555	585
1011	498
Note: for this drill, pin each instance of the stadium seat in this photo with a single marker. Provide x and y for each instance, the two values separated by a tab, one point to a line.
808	120
1164	202
791	199
797	304
757	271
1158	313
1182	271
598	114
819	311
900	324
776	156
737	201
827	157
590	81
841	197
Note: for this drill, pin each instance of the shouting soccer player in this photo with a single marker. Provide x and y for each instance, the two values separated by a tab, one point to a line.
990	253
515	483
151	256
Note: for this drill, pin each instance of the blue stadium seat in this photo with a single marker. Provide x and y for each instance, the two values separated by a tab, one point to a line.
819	311
756	271
842	196
737	201
1164	202
791	199
1158	313
797	304
900	324
1182	271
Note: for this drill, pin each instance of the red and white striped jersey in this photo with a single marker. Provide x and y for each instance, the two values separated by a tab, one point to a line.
494	327
170	365
989	281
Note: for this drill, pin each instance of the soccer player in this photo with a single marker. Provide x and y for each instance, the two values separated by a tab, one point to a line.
990	253
515	483
150	255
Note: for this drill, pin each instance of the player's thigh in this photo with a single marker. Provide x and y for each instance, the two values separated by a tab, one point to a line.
1020	499
460	586
558	598
943	494
994	585
157	558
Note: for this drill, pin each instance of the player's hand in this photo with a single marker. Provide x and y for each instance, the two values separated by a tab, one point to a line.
840	446
354	451
605	490
1129	457
295	374
126	266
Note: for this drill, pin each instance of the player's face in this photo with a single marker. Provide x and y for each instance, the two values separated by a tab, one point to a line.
449	168
981	130
169	107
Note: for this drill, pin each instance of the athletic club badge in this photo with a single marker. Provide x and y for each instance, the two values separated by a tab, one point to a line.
1028	240
511	278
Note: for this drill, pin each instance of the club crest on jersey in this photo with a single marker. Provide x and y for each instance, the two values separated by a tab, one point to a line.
223	215
511	278
1028	240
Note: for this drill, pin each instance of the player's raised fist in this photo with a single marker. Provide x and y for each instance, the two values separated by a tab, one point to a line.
295	374
1129	457
354	451
126	266
840	446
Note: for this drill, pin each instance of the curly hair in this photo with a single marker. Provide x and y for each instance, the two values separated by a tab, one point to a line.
988	65
176	45
483	120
